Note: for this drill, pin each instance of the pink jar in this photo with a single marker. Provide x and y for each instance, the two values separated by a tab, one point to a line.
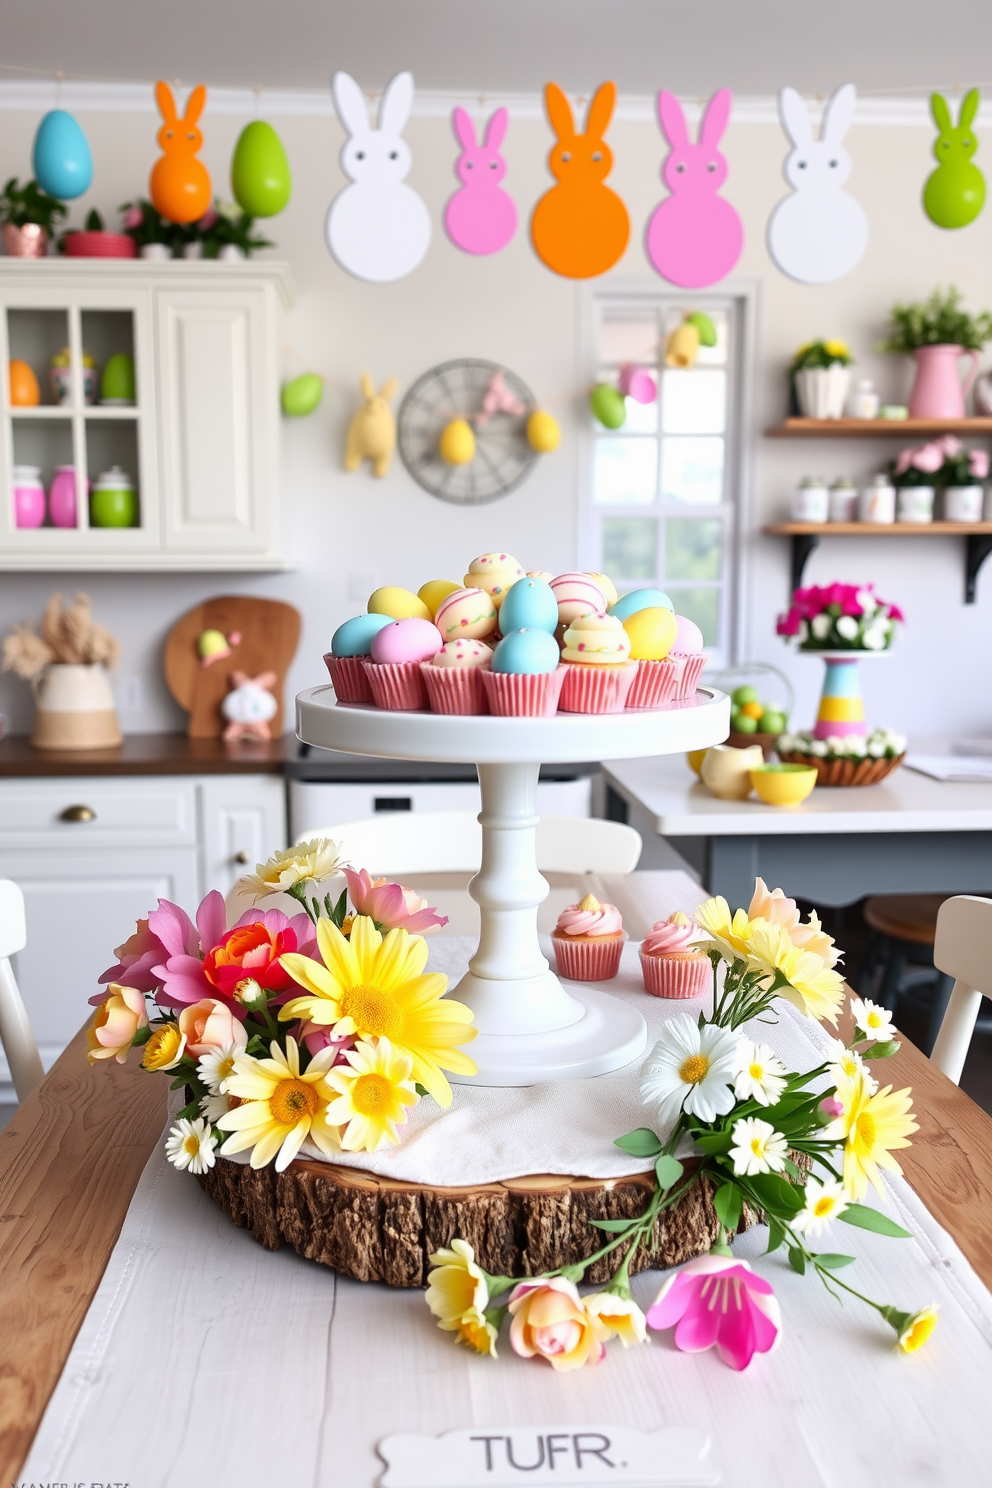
62	497
29	496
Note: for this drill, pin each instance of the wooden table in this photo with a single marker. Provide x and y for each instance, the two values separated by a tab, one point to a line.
71	1157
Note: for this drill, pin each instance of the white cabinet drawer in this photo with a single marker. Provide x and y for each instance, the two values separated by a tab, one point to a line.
56	813
314	805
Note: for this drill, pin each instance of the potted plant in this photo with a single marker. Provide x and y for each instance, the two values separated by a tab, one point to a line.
943	464
227	232
94	241
936	333
67	666
152	234
821	378
27	219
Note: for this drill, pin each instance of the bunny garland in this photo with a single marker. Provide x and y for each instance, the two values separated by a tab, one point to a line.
580	228
179	185
818	232
955	192
377	228
695	237
481	217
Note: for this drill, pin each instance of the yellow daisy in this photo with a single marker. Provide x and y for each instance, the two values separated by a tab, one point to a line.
917	1330
813	987
873	1126
475	1330
730	934
307	862
165	1048
458	1294
375	988
279	1108
372	1092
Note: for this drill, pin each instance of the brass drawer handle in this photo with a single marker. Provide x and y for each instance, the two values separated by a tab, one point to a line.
77	814
242	857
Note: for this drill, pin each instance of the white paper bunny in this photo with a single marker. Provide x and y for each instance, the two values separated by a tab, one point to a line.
377	228
250	707
819	232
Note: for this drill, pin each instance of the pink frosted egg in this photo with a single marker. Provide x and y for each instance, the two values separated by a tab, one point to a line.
635	383
406	640
577	594
688	637
468	613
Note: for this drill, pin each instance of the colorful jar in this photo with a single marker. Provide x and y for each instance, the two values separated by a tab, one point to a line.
29	496
113	500
61	374
62	505
877	502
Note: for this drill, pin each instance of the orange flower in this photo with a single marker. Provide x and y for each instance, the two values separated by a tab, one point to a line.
549	1320
209	1025
117	1020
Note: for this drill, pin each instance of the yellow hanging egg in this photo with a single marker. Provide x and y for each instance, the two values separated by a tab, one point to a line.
683	346
435	591
398	604
543	432
457	444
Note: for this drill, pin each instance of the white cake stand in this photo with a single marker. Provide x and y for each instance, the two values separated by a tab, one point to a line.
530	1028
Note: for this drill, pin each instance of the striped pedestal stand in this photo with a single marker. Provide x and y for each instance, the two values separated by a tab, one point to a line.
841	710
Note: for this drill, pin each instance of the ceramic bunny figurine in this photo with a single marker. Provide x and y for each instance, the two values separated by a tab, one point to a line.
250	707
694	237
955	192
819	232
372	431
377	228
481	217
580	228
179	184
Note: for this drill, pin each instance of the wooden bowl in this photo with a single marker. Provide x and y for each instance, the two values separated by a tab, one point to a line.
846	771
742	741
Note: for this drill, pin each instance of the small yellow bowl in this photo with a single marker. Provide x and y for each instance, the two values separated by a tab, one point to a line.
783	785
695	759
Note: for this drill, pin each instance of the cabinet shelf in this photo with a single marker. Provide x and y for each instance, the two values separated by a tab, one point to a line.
846	428
805	539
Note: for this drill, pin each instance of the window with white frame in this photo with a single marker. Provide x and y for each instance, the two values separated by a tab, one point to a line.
662	494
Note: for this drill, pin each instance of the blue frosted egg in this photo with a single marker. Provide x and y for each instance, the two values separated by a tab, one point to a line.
527	652
61	159
354	637
641	599
529	605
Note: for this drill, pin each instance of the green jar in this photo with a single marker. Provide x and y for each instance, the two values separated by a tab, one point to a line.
113	500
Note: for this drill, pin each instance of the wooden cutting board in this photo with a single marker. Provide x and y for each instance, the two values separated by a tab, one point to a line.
270	634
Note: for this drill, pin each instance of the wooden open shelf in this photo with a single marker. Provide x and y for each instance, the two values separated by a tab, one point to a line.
844	428
805	539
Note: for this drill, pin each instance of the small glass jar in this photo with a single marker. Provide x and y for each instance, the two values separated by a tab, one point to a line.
29	496
915	504
843	500
877	502
864	400
810	500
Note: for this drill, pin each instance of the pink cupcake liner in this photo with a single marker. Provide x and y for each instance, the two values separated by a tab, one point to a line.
397	685
594	960
656	683
455	689
676	976
595	689
348	678
691	669
513	695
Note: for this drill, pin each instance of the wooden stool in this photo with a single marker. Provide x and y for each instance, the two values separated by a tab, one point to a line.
903	929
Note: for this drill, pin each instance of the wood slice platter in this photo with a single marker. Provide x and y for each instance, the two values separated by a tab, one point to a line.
382	1229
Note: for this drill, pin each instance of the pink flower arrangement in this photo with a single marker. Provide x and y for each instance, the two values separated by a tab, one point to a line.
717	1300
817	610
390	905
945	459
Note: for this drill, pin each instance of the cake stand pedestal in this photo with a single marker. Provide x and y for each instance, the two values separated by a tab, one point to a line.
531	1028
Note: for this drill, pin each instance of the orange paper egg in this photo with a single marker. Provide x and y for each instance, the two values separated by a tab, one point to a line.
24	390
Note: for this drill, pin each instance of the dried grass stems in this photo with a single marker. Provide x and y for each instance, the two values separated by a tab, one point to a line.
69	635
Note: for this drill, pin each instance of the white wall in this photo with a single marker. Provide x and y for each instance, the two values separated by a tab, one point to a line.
511	309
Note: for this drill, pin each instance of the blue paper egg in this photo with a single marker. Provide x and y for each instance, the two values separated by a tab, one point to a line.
529	605
354	637
61	159
641	599
527	652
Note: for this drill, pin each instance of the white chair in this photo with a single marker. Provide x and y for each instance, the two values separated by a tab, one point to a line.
962	949
15	1030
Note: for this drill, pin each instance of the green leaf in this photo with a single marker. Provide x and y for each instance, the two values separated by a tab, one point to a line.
420	1089
776	1193
776	1235
870	1219
728	1202
714	1143
797	1260
613	1226
794	1171
640	1143
668	1170
882	1051
190	1112
834	1262
142	1036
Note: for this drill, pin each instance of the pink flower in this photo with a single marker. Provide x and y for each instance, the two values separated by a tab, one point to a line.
716	1299
112	1031
904	461
317	1036
208	219
929	458
978	463
210	960
391	906
895	613
550	1321
136	959
210	1024
831	1107
950	444
133	217
788	625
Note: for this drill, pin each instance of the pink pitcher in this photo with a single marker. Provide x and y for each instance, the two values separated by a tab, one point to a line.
938	392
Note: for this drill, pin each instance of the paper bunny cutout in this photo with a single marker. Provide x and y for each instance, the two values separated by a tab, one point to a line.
372	431
481	217
498	399
250	708
580	228
955	192
694	238
377	228
819	232
179	184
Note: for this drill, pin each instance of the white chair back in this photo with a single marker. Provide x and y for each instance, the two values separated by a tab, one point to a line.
15	1029
962	949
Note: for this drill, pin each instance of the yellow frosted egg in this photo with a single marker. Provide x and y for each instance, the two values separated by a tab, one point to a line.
543	432
608	587
457	443
435	591
398	604
652	634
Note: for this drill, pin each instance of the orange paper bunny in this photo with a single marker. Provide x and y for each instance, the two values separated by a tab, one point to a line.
580	227
180	184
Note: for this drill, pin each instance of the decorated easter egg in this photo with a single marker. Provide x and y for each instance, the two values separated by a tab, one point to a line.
577	594
117	382
457	443
406	640
354	637
640	599
652	634
302	395
435	590
635	383
260	175
688	637
704	325
543	432
540	573
527	653
24	389
494	572
529	605
596	640
467	612
607	404
462	655
61	159
212	643
398	604
607	585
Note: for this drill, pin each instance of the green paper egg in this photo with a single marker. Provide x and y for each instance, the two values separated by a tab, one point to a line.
608	405
260	175
118	378
302	395
705	327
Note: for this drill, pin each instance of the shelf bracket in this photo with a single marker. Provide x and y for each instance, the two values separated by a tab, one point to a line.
978	546
804	545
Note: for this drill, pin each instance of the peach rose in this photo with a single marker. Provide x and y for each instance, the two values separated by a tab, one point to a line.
550	1320
210	1024
117	1020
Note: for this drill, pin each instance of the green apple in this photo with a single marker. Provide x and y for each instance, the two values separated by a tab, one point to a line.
774	723
742	695
742	724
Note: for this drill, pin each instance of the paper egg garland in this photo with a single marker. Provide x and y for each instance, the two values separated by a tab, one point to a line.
260	174
61	158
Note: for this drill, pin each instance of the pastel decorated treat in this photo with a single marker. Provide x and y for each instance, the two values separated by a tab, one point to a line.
453	677
495	573
588	941
462	655
354	637
394	672
350	644
434	591
469	613
598	671
687	648
607	585
577	594
525	678
540	573
398	604
651	633
640	599
671	961
529	605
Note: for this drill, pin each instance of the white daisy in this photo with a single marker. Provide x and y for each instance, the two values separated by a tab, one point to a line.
758	1147
847	1064
214	1068
872	1020
214	1107
761	1076
191	1144
691	1068
824	1202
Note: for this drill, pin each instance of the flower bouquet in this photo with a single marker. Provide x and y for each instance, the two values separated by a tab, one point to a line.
839	617
820	378
945	464
855	760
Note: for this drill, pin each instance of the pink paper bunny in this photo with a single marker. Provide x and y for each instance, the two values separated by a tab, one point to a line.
481	217
498	399
694	238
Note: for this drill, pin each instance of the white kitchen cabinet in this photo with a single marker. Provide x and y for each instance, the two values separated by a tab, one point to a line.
201	439
243	822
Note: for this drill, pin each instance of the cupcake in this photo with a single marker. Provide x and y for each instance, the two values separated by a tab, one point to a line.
525	678
672	965
597	666
454	677
577	594
588	940
687	648
351	645
651	632
393	672
467	614
495	573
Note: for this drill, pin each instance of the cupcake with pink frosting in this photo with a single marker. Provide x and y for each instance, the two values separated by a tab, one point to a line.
453	677
588	940
671	961
687	650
